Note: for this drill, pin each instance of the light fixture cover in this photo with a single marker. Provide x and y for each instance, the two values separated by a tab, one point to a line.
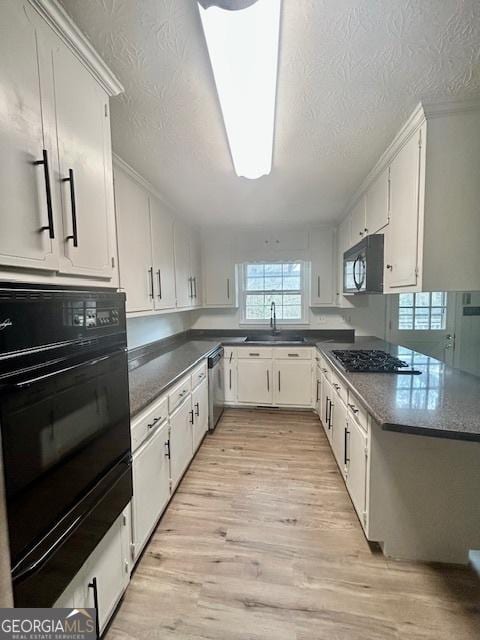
243	47
230	5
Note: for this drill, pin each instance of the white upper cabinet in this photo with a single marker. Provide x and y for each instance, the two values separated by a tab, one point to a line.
183	276
134	242
401	251
219	270
358	220
163	255
196	267
27	235
323	271
56	213
378	203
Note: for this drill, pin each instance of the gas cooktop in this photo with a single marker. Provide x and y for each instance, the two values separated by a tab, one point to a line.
372	361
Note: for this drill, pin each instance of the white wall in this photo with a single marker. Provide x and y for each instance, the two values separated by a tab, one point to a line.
366	320
147	329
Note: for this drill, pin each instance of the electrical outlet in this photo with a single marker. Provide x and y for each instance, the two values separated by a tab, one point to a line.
321	319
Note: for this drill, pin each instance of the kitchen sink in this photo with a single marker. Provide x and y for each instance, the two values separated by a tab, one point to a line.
278	339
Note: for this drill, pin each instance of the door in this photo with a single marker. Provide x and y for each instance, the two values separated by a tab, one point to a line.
356	456
292	383
200	413
230	378
83	133
254	381
163	255
424	322
28	228
134	242
107	573
322	253
183	277
196	268
339	424
401	241
358	221
378	203
327	407
151	485
218	265
181	439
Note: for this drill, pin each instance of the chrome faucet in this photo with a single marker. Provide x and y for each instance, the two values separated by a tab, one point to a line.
273	319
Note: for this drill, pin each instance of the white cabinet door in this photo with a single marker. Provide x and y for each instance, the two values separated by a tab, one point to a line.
292	382
181	438
134	242
254	381
219	271
327	407
358	221
83	132
107	571
196	268
357	467
322	254
24	135
339	426
151	485
200	413
401	246
318	390
163	255
183	278
230	377
378	203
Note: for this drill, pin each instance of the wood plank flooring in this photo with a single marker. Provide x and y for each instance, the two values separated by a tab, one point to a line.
261	542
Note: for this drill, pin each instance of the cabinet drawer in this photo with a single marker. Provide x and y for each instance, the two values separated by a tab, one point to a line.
229	353
292	353
254	352
199	374
178	394
357	411
144	422
339	387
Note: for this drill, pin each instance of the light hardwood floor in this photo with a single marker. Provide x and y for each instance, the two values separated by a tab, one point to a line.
261	542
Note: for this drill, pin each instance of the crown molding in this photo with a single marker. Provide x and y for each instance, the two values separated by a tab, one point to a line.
129	170
424	111
58	19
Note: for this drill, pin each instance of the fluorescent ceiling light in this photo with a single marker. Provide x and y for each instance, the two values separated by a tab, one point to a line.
243	47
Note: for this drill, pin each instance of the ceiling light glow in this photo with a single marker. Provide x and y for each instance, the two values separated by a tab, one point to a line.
243	47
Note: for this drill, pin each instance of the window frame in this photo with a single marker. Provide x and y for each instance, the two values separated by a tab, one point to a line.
302	292
415	306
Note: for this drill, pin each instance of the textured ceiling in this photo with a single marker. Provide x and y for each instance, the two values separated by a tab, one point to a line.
350	72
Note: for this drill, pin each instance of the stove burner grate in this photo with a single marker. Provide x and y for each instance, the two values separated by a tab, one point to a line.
372	361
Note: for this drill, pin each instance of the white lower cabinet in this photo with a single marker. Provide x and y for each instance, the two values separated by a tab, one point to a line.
254	381
200	413
356	475
151	486
181	440
230	377
339	426
292	382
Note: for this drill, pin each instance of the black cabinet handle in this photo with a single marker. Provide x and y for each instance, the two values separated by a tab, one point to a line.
230	379
152	291
93	585
326	410
73	206
191	417
318	386
228	288
279	385
167	446
346	459
197	409
48	193
159	275
268	379
330	414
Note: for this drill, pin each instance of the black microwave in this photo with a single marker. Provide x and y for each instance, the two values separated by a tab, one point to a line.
363	266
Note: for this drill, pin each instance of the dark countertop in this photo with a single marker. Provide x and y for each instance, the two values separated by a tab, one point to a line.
441	402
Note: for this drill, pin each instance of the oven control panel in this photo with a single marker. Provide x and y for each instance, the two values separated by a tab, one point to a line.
91	317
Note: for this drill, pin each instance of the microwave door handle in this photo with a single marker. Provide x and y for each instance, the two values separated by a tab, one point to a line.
357	284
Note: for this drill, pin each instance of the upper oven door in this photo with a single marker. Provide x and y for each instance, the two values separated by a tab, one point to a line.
63	426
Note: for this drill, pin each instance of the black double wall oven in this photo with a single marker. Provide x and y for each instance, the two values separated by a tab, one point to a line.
65	429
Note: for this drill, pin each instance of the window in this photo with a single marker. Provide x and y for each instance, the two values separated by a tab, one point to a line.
422	311
281	283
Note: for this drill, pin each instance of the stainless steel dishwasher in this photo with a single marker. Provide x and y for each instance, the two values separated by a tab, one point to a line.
216	388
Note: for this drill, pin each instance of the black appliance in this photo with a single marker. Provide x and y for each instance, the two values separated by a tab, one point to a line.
216	387
65	426
363	266
372	361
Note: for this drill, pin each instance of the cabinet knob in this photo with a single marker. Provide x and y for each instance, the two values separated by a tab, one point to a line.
389	266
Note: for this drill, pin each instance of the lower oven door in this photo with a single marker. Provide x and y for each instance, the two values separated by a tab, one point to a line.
63	429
